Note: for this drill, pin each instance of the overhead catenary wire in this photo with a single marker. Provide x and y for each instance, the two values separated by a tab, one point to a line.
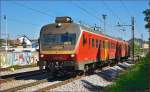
125	7
128	12
23	22
113	13
110	10
92	15
86	11
35	10
96	10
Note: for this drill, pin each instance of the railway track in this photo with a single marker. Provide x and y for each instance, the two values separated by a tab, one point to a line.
59	84
13	89
52	85
17	76
21	75
25	86
106	72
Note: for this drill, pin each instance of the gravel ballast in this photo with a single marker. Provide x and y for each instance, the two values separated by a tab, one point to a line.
18	71
14	83
94	82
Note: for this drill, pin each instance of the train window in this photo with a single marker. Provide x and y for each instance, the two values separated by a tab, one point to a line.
97	43
108	44
112	45
93	43
89	42
103	44
100	44
84	40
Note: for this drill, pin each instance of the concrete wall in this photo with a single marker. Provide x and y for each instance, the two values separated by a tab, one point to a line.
17	58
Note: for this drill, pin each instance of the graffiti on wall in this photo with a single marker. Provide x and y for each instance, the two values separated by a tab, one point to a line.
17	58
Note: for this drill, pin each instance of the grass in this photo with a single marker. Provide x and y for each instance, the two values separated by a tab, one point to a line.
22	66
132	80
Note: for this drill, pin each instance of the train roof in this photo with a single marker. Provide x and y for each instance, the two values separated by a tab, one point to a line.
90	29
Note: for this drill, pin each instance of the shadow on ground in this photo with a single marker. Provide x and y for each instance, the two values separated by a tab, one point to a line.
92	87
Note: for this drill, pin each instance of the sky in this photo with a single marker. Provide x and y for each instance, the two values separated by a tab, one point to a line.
26	17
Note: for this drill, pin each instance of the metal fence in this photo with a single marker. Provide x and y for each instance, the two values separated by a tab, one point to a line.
17	58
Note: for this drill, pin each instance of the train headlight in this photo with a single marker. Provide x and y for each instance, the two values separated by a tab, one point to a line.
41	55
72	55
59	25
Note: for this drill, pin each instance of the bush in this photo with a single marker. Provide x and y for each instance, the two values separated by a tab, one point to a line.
134	79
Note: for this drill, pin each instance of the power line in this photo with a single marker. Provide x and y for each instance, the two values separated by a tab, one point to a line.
35	10
91	8
125	7
22	21
87	12
101	17
113	13
90	14
109	9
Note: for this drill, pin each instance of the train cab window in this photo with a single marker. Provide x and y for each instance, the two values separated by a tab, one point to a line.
97	43
93	43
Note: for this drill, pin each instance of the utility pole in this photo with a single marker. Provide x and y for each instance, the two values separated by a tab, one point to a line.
142	41
6	48
132	25
132	31
104	18
142	44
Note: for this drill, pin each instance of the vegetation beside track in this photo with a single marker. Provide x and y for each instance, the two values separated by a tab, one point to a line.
15	67
134	79
23	66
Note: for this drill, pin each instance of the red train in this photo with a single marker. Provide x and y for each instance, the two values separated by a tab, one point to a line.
68	45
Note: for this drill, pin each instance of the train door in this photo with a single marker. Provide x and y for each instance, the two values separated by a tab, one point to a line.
118	51
106	50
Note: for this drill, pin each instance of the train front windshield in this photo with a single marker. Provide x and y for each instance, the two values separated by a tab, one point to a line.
61	41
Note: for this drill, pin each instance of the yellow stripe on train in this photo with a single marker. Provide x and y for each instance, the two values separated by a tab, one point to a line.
106	49
57	52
